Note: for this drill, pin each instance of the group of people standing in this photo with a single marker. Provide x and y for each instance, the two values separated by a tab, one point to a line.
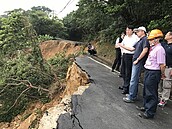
142	51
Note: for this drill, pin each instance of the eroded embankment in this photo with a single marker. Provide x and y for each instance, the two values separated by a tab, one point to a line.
52	47
76	82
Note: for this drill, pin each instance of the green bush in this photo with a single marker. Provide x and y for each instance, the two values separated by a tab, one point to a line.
19	75
42	38
60	64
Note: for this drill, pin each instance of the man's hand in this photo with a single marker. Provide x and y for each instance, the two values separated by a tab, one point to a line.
162	67
163	76
135	62
171	73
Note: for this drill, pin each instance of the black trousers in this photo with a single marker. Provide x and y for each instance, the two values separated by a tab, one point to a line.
150	91
126	70
117	61
92	52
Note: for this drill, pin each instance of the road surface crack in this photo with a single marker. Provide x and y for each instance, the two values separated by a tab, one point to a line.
74	117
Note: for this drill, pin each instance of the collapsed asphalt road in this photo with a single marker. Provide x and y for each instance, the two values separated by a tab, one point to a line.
101	105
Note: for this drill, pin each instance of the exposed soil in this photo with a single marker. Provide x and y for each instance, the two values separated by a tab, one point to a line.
52	47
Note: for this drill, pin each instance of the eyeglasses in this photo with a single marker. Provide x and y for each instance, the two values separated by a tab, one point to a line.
150	39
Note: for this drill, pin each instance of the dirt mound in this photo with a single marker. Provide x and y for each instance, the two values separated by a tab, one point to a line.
52	47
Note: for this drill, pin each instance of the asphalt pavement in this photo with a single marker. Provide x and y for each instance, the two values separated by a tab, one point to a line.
101	105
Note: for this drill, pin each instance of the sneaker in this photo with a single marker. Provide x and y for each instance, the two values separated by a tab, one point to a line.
162	103
127	95
134	99
127	100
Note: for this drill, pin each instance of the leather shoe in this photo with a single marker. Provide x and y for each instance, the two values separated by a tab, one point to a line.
117	70
119	75
120	87
144	116
140	108
124	92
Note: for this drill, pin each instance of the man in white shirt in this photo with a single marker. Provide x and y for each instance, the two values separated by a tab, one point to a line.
129	41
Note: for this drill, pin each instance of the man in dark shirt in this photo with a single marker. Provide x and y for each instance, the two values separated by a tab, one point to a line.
141	51
167	81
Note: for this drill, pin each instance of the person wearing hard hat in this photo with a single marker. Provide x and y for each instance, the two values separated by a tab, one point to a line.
154	71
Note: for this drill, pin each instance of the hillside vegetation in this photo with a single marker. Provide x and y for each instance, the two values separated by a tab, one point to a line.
26	77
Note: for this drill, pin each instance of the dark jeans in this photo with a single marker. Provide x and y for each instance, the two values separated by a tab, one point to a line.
126	70
117	61
150	91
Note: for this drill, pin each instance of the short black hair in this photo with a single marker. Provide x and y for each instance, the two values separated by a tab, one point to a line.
130	27
170	32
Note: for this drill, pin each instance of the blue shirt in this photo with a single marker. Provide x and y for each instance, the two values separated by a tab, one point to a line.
139	46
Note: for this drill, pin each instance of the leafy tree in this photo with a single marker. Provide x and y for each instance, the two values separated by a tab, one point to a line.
88	20
44	24
13	34
107	18
41	8
24	73
74	31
